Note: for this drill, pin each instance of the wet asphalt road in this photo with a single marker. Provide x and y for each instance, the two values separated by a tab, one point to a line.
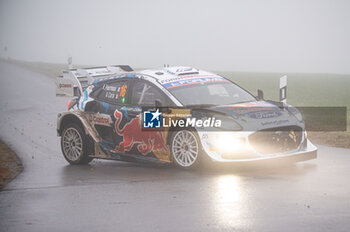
51	195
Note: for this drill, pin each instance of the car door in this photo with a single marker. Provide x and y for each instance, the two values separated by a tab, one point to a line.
110	97
146	144
122	134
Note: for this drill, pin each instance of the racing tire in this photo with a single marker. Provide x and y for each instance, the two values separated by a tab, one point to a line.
186	150
74	145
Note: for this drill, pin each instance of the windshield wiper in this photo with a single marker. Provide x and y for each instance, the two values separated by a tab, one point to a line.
239	102
200	105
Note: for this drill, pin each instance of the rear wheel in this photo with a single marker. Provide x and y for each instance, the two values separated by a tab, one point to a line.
185	149
74	145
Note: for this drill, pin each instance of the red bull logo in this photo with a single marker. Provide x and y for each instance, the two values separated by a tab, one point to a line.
132	134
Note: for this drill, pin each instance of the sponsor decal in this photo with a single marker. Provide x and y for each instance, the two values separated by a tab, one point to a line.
65	85
101	119
196	80
263	115
251	107
146	141
182	70
276	122
168	80
244	110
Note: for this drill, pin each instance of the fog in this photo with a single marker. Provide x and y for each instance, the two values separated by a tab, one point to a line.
246	35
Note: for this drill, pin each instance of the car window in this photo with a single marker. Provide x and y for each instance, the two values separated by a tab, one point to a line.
113	92
216	93
145	94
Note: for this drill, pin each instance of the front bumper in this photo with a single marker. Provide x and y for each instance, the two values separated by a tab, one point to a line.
309	151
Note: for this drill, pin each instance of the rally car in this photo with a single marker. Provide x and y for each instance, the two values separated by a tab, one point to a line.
179	115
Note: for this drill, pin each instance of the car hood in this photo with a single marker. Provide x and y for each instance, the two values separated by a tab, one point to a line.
251	116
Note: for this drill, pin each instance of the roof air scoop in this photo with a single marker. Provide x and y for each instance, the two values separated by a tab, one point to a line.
180	71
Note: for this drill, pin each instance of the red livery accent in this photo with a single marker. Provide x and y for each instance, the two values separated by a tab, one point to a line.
132	134
65	86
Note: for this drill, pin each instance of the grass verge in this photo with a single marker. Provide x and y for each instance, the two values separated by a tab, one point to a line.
10	165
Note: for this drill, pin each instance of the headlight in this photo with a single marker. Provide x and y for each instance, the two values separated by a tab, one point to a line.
228	142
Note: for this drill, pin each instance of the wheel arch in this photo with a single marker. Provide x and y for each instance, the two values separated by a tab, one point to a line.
67	119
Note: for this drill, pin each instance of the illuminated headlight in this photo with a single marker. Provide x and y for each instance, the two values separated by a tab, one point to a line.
228	142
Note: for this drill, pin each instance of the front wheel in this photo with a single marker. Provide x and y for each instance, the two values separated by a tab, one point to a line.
74	145
185	149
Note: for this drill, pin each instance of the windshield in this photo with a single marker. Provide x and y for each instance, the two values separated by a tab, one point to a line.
212	93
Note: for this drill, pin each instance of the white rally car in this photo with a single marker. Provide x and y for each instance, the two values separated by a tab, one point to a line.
178	115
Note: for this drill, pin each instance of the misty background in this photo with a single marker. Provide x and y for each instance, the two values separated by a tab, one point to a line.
248	35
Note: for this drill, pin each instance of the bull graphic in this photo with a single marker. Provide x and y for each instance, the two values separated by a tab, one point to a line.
132	134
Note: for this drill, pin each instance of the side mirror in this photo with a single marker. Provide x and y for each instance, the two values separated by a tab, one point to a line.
260	95
163	109
157	103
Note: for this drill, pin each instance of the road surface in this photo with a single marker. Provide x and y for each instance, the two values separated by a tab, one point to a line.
50	195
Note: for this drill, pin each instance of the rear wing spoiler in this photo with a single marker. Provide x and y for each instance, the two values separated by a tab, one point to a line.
73	82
